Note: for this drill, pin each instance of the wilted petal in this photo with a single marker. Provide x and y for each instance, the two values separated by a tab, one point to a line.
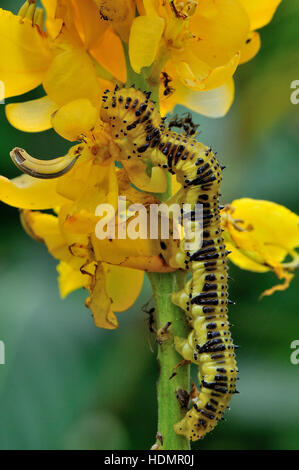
99	301
70	279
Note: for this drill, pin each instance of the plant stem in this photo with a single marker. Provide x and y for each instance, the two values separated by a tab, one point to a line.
169	408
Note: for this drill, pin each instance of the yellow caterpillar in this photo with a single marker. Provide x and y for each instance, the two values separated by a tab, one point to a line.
139	133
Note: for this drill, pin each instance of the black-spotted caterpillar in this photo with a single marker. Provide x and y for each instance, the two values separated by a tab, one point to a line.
139	133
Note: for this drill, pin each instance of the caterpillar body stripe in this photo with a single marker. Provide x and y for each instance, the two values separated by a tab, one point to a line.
139	132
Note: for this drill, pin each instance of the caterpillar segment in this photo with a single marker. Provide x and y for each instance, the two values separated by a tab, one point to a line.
139	132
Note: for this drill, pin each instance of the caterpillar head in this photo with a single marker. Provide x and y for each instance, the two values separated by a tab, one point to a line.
129	115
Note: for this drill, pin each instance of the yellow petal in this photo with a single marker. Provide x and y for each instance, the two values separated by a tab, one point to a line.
221	27
244	259
88	186
251	48
175	185
25	55
271	233
155	183
140	7
26	192
71	76
61	21
100	303
123	286
274	225
80	223
70	279
212	103
146	33
89	21
53	24
115	251
151	7
75	118
260	12
197	75
73	183
31	116
123	28
136	254
108	51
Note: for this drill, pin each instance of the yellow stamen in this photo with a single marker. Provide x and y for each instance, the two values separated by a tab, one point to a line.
30	11
23	10
39	18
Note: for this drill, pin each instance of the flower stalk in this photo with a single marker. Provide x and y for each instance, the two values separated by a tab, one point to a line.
172	382
170	320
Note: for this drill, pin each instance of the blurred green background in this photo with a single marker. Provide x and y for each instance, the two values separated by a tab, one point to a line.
67	384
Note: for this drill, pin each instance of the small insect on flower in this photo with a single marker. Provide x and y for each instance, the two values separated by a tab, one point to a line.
183	9
164	333
166	80
185	123
113	10
183	398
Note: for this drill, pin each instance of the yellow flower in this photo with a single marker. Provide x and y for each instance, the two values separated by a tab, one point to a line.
70	59
260	235
120	13
85	260
199	45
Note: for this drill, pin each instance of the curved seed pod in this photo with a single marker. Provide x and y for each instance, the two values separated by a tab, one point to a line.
44	169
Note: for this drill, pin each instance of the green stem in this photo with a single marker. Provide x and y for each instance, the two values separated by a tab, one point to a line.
139	80
169	409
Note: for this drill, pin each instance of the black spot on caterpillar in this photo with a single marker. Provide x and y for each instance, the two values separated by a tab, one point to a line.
139	132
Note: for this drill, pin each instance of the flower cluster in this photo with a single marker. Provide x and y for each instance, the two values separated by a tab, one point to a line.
189	51
189	48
